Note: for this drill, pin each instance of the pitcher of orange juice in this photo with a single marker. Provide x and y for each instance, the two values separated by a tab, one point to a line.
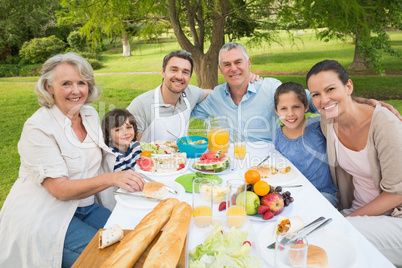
217	130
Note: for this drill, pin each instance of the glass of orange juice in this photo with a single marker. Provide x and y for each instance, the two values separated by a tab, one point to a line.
236	214
239	145
202	201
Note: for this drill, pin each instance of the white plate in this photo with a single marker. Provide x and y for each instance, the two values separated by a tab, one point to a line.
340	249
283	179
143	203
197	235
177	172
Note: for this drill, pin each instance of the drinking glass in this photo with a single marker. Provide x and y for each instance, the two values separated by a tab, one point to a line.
236	200
239	145
202	201
291	254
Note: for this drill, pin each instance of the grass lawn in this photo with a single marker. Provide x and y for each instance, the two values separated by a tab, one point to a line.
19	102
300	56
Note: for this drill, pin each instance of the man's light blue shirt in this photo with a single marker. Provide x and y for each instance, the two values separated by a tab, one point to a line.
254	117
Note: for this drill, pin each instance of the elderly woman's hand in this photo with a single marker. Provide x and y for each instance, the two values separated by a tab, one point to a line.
129	180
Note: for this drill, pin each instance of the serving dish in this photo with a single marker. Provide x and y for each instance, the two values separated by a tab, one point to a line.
197	235
226	171
192	150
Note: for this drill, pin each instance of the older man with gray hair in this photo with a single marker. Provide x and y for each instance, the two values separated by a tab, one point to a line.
248	106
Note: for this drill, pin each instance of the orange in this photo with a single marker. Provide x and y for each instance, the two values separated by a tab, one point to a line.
146	154
261	188
252	176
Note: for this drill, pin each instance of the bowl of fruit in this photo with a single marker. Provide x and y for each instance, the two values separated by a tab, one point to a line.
193	146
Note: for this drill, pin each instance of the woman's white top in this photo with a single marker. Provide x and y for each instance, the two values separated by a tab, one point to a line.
357	164
33	223
93	159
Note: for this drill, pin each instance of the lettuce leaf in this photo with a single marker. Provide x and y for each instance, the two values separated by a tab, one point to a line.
221	250
149	147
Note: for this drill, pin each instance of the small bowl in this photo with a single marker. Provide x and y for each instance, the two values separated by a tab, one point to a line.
192	150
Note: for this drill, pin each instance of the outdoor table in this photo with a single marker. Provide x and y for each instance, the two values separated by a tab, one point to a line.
309	204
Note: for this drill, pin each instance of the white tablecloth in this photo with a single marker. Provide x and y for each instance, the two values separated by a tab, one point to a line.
309	204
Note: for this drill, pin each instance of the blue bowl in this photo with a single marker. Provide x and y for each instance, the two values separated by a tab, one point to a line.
192	150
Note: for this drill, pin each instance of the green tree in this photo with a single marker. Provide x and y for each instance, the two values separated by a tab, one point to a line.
76	41
22	20
365	21
198	25
239	23
204	23
111	17
38	50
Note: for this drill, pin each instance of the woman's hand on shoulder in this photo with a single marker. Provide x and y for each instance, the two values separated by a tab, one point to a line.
128	180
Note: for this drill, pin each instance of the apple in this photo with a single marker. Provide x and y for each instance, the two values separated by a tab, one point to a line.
253	202
274	201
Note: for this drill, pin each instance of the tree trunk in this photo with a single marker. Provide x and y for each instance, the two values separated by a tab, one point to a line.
6	53
205	65
125	40
358	61
206	68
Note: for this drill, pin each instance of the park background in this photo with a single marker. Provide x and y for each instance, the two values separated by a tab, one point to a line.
128	62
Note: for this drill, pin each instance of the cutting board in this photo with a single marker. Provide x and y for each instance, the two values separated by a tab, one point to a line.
94	257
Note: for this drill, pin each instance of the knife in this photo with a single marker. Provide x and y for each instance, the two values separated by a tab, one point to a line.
320	226
138	196
170	189
286	240
292	186
265	159
315	229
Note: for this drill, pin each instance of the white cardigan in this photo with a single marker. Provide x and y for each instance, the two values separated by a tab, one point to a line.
33	223
384	145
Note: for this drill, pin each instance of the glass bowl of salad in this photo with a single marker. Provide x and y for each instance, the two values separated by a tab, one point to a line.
193	146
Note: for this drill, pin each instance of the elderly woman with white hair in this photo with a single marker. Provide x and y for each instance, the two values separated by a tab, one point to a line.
63	193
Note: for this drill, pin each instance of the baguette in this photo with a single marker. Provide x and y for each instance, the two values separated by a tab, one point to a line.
167	250
134	243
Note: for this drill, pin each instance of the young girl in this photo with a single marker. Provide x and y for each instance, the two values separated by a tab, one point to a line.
119	130
301	141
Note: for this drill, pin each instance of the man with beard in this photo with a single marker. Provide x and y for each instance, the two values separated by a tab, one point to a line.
168	107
